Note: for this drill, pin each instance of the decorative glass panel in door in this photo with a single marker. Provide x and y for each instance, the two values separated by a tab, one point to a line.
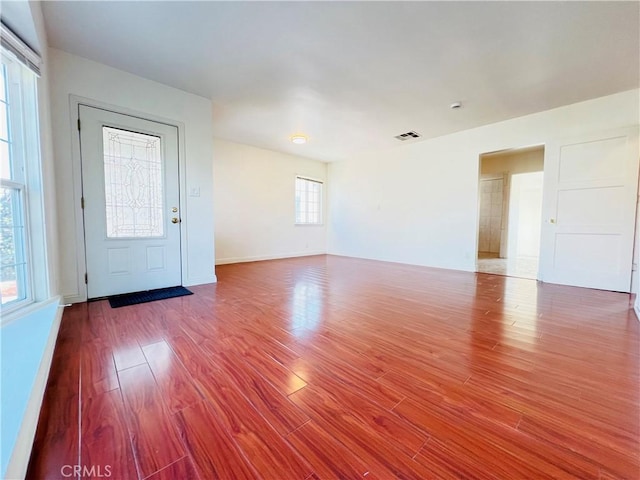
133	184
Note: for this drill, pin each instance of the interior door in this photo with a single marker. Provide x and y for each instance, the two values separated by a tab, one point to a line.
590	203
131	199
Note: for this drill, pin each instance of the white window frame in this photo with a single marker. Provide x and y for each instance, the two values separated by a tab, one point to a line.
320	202
26	175
23	250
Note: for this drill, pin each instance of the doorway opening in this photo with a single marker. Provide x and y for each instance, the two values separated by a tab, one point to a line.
510	212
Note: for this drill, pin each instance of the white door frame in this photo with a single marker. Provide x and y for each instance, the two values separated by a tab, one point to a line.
81	268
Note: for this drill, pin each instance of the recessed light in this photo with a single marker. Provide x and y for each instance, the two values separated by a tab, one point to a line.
299	139
455	105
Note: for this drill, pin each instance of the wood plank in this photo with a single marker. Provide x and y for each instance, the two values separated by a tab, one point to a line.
155	441
328	457
58	432
395	370
380	456
128	355
210	446
283	379
277	409
269	453
98	370
126	349
322	373
173	380
181	469
501	449
105	438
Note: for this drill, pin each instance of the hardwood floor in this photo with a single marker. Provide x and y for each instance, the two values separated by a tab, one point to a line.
329	367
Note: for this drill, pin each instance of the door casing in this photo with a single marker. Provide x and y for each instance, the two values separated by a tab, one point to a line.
80	293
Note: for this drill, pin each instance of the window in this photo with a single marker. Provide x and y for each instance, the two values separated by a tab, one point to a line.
133	184
308	201
19	169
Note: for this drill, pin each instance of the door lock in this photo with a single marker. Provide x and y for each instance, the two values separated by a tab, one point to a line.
175	220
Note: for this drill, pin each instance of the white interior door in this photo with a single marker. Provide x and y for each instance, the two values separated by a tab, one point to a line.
590	202
131	200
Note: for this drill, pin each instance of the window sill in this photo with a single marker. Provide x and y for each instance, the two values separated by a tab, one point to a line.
19	310
28	345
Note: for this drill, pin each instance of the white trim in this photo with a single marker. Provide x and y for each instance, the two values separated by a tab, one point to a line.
636	308
73	298
26	310
23	52
201	280
259	258
80	295
22	92
404	262
16	306
19	460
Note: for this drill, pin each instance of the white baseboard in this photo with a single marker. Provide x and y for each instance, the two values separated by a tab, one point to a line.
74	298
258	258
19	461
471	268
201	280
190	282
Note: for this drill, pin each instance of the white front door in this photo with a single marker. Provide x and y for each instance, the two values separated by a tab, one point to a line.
131	202
589	213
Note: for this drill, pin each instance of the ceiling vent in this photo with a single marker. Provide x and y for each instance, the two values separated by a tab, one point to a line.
407	136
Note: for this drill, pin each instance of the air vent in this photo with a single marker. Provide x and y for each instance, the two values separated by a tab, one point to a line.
407	136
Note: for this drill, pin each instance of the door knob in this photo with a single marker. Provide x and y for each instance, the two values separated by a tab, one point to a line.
175	220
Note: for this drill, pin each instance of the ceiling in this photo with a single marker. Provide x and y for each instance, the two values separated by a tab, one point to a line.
18	17
352	75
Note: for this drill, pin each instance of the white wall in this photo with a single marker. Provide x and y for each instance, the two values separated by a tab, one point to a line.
635	281
418	203
254	204
635	278
51	228
109	87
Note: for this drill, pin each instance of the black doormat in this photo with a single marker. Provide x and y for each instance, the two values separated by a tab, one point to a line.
126	299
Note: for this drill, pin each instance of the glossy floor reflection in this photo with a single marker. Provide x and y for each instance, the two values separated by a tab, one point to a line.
331	367
521	267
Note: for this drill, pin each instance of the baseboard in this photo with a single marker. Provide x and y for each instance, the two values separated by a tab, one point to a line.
201	280
190	282
470	268
19	460
258	258
74	298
